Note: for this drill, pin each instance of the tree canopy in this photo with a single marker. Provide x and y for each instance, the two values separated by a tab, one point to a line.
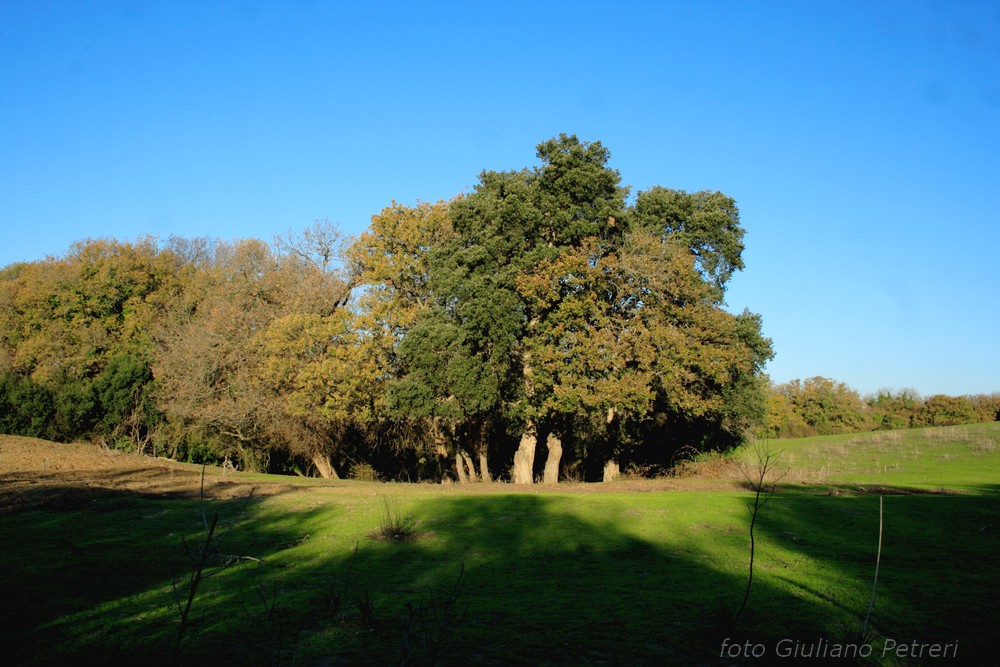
544	309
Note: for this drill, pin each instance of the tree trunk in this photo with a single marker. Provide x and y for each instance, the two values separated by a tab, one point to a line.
439	437
611	470
460	468
442	446
469	465
484	468
524	457
554	445
323	466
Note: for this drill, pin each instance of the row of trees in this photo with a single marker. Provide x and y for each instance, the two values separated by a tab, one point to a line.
542	307
821	406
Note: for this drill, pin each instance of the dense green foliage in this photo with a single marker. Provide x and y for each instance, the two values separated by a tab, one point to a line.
545	306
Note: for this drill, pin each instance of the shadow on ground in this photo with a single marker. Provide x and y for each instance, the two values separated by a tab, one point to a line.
90	580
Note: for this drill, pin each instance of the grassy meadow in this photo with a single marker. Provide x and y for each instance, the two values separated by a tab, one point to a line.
629	573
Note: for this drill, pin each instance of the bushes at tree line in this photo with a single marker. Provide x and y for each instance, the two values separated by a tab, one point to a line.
821	406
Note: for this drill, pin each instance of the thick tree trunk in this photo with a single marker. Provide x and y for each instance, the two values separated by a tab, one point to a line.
554	445
469	466
524	457
484	468
444	446
460	468
323	466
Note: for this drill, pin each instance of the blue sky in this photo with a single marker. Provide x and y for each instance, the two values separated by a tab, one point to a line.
861	140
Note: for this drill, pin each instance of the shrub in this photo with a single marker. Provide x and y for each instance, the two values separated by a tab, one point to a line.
26	407
394	526
364	472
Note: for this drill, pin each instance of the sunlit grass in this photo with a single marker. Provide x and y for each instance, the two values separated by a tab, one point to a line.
955	457
951	458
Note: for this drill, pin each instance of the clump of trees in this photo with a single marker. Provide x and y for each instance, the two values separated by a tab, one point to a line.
821	406
544	322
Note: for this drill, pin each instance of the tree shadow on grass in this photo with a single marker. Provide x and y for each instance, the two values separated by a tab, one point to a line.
939	575
73	550
629	579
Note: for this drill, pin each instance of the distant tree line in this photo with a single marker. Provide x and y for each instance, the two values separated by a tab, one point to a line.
545	310
821	406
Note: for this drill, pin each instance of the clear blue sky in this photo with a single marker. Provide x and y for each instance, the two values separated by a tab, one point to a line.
861	140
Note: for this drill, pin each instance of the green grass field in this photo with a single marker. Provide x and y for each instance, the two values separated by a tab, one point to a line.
955	457
562	577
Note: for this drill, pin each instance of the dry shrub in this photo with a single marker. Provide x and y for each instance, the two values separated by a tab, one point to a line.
394	526
573	472
364	472
713	465
636	471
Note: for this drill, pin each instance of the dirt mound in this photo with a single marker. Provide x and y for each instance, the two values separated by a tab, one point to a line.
37	473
